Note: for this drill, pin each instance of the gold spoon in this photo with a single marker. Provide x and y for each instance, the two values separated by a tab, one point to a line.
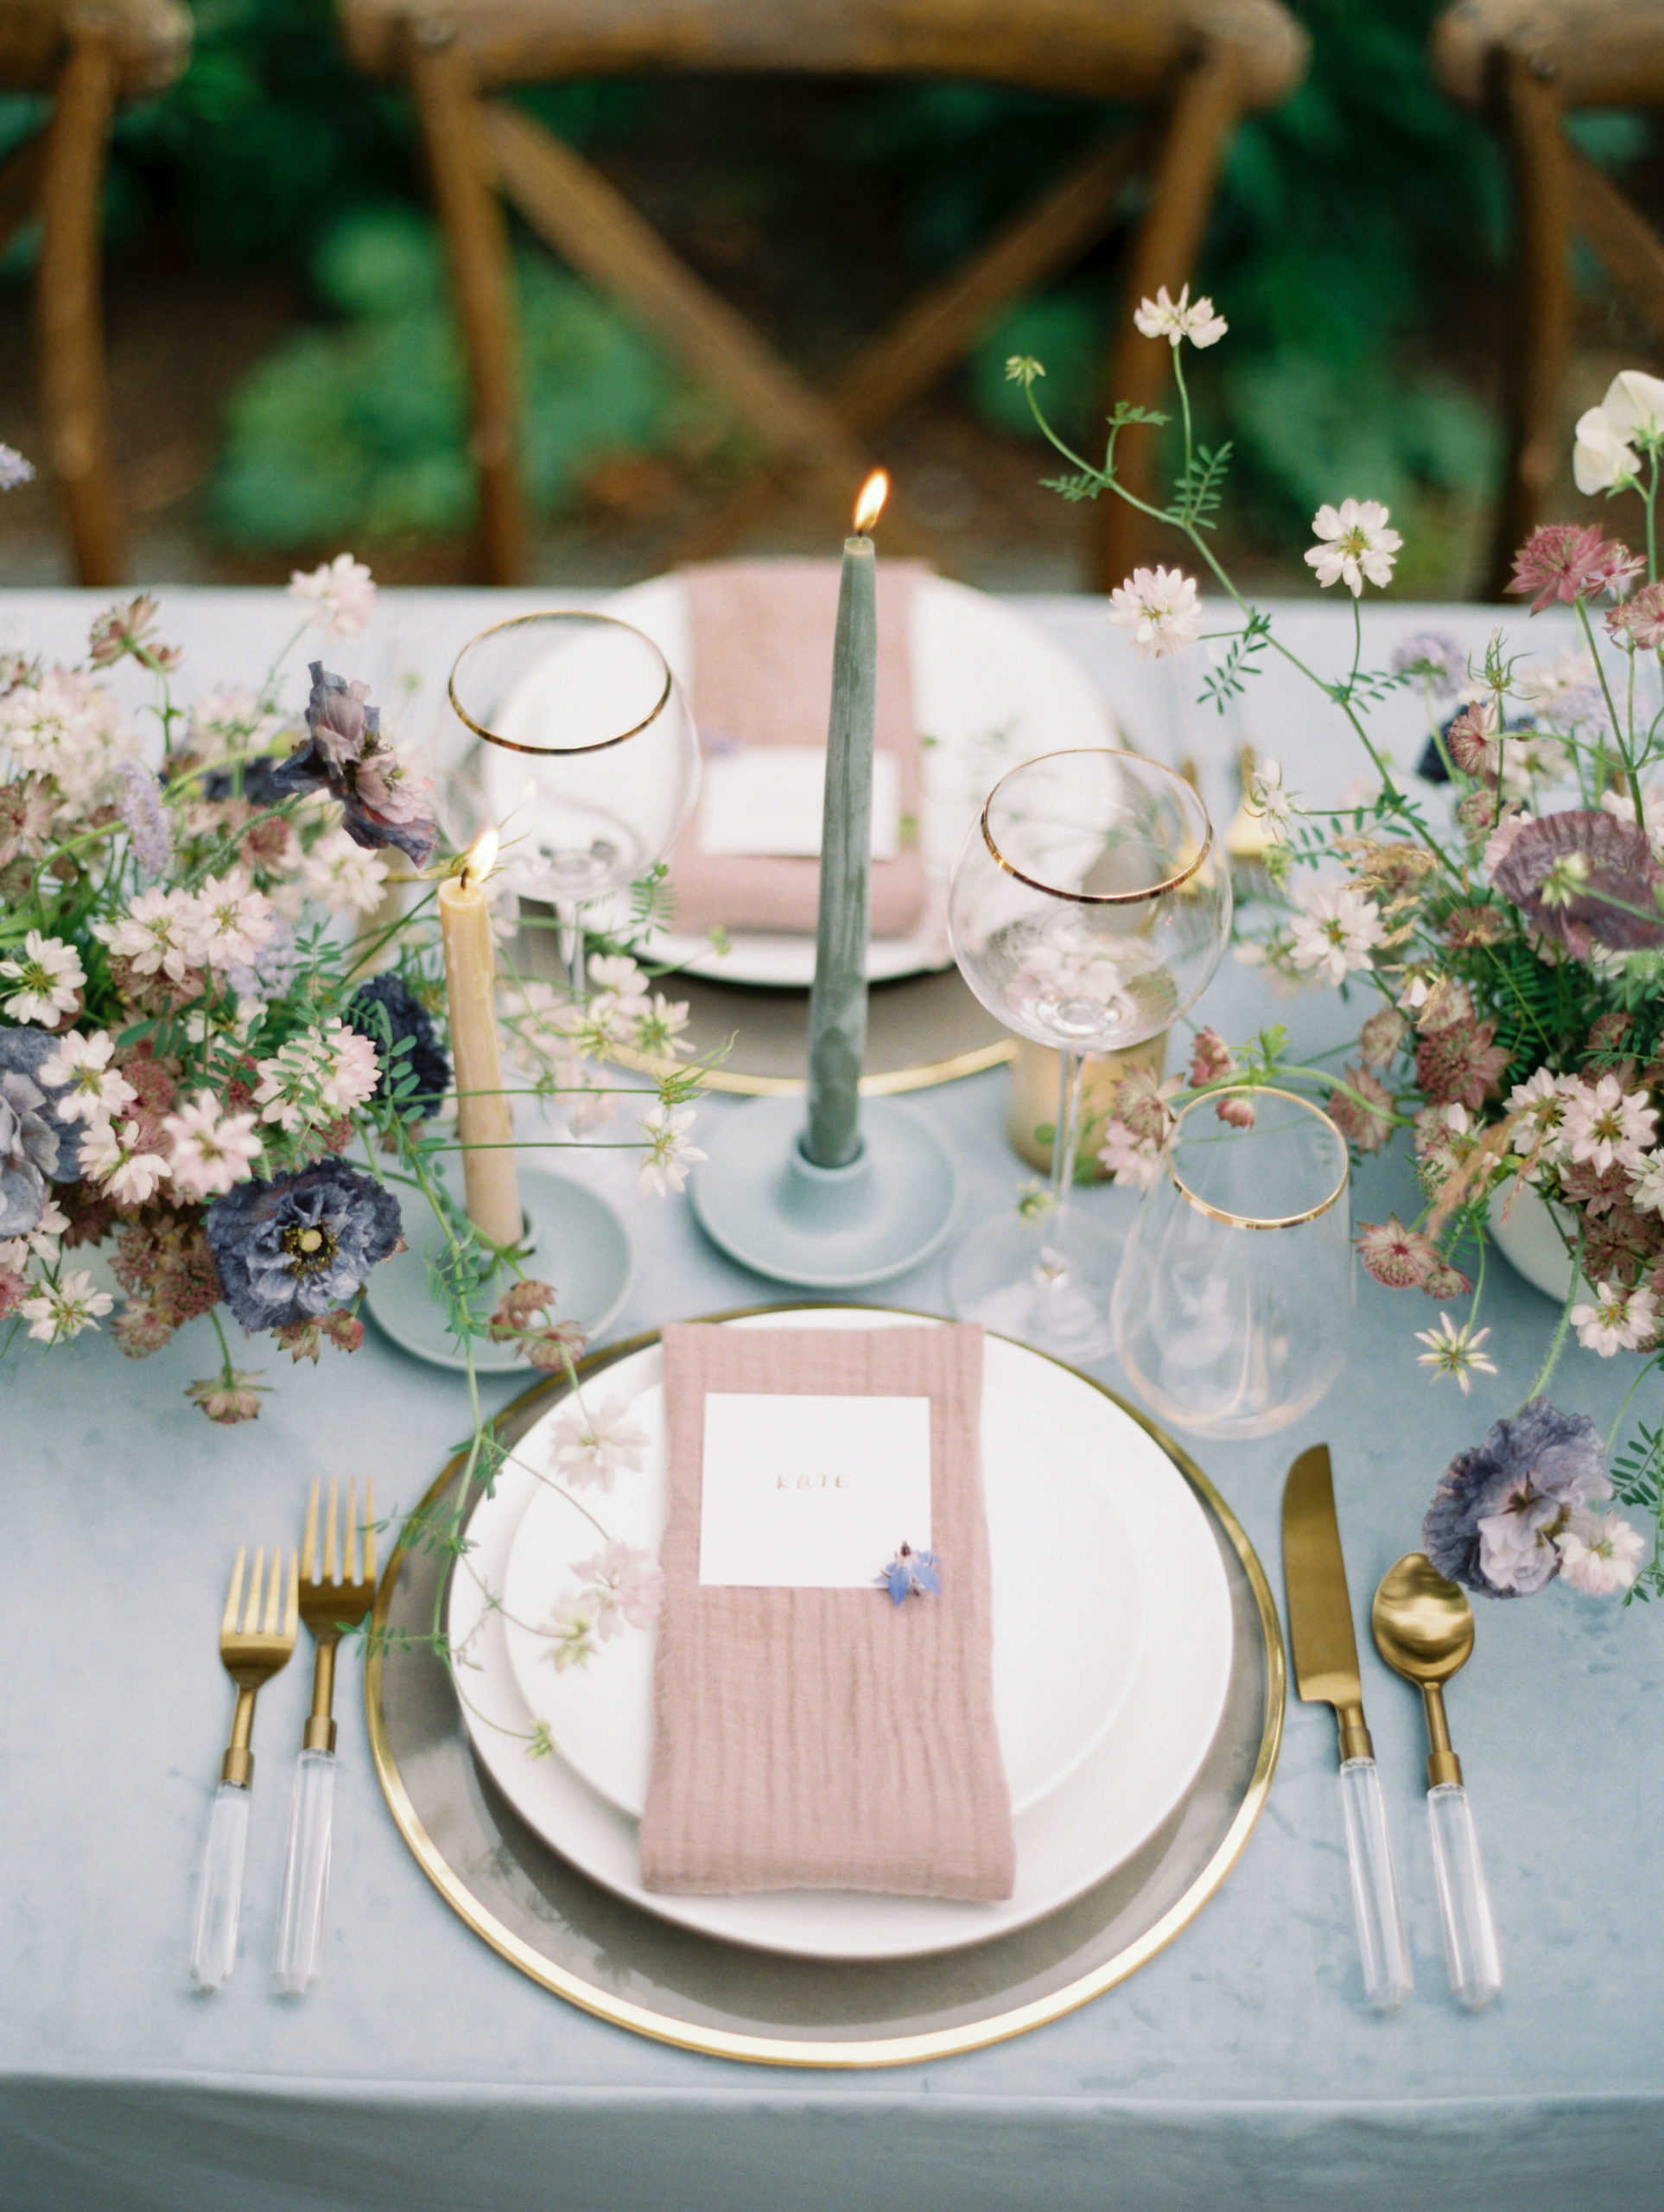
1423	1628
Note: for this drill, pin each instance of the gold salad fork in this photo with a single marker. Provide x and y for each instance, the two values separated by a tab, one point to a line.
251	1655
329	1606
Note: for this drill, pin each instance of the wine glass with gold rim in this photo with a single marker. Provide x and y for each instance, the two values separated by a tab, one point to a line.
1089	906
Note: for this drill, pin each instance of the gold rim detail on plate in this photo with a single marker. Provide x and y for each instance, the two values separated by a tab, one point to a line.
1249	1220
880	2052
738	1083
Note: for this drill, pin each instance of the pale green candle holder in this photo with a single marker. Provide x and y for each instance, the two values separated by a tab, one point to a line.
768	1205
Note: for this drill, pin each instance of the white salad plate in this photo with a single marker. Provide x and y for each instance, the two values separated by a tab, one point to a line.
989	690
1112	1653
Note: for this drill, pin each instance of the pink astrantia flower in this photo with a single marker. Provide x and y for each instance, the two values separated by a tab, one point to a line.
1401	1258
1447	1280
1565	563
1462	1064
1605	1125
1472	739
1354	545
1367	1120
1161	609
1620	1319
1640	620
1127	1158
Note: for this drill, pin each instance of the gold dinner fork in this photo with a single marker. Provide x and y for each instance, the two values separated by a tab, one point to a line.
328	1606
251	1655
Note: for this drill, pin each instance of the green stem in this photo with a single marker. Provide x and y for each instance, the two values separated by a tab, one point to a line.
1558	1343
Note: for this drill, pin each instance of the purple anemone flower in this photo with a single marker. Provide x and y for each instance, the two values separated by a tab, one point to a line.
289	1250
1494	1517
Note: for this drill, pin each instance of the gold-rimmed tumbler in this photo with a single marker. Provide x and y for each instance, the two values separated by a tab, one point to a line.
1233	1308
1089	906
567	733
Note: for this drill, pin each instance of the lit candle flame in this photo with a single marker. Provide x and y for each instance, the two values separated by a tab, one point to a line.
480	859
870	506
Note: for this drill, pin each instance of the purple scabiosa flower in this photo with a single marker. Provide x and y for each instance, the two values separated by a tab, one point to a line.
381	803
1584	876
147	826
289	1250
1494	1518
22	1051
1434	656
29	1146
387	1012
912	1573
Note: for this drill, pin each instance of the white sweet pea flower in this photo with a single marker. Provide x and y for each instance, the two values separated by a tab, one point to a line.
1161	609
1354	545
1176	320
1600	458
1634	406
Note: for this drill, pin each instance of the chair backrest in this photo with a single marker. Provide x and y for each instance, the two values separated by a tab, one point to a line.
151	39
1133	50
1598	53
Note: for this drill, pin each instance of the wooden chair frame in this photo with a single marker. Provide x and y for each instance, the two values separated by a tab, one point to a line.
483	151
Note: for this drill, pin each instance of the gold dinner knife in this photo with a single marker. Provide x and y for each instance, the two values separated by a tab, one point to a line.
1326	1672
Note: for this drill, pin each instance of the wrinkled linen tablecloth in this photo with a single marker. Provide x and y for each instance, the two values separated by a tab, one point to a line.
1238	2068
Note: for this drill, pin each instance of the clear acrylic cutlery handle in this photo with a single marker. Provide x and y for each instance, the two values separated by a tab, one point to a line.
1381	1946
219	1893
305	1873
1464	1900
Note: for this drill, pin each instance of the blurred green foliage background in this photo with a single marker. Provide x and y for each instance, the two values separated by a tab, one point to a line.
1357	238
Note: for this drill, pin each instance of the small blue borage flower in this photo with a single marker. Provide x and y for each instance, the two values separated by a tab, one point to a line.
912	1573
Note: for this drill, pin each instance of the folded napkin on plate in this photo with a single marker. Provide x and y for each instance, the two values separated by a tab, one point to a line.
829	1738
761	636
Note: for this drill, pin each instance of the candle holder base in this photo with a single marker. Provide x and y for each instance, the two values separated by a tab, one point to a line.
576	1241
826	1228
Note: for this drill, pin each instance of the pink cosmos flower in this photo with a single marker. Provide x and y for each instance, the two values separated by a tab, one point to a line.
1562	561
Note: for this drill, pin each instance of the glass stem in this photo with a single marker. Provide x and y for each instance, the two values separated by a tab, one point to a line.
1066	1139
570	915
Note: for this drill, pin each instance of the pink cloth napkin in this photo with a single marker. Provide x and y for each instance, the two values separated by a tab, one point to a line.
829	1739
762	635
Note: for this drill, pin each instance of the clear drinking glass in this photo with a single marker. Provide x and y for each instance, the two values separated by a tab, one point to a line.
1088	908
568	734
1233	1307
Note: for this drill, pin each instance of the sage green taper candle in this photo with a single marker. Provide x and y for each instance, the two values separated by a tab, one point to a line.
837	1004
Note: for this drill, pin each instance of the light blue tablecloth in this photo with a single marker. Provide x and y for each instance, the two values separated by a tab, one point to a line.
1238	2069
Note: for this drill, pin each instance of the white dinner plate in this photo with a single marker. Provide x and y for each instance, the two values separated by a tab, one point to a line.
989	690
1102	1559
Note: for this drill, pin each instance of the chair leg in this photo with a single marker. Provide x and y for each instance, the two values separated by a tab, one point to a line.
477	237
1536	363
74	385
1166	249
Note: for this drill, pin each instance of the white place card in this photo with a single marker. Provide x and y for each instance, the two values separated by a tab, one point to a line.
766	800
812	1492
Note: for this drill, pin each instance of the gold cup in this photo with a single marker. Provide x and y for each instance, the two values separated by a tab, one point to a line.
1032	1105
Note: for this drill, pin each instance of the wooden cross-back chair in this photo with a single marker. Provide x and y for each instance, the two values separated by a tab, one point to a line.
90	55
1197	64
1530	62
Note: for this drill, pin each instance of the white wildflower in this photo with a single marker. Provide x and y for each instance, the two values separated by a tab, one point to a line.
63	1309
1160	607
340	595
1541	1103
571	1632
1175	320
343	875
668	1156
81	1066
1600	1553
212	1150
114	1156
1455	1353
45	982
1354	545
1335	929
71	728
1268	800
598	1447
229	922
1604	1124
1619	1320
154	934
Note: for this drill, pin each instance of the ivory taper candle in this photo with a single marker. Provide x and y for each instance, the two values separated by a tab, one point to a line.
837	1004
483	1118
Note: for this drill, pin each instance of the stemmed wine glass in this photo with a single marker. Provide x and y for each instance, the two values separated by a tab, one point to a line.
1088	908
577	746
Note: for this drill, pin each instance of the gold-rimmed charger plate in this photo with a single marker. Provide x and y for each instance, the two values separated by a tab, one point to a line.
605	1955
